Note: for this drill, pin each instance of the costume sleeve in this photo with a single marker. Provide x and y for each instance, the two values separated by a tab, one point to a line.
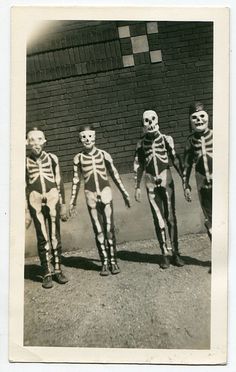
139	161
175	158
188	163
114	173
76	179
58	178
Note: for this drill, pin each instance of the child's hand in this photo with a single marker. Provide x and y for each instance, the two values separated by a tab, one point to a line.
127	200
63	213
137	195
72	210
28	219
187	195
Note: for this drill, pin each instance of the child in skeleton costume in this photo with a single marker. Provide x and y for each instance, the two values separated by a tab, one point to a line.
152	156
45	203
198	150
94	165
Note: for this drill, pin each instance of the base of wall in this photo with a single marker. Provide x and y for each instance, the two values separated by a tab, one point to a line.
131	224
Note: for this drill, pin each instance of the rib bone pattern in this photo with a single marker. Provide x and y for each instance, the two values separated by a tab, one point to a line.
203	145
154	149
41	168
91	165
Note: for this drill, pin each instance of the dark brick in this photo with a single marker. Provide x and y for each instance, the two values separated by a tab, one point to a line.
138	29
126	46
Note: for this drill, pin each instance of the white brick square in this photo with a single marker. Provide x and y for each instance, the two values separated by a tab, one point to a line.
124	31
140	44
128	60
152	27
156	56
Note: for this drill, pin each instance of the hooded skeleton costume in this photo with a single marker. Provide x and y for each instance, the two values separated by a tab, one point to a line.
94	165
45	203
198	150
152	156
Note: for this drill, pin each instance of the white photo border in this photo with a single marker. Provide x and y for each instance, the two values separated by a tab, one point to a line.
21	19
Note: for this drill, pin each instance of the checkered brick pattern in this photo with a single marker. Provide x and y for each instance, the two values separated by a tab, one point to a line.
139	44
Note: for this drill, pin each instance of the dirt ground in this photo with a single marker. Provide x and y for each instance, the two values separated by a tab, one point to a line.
142	307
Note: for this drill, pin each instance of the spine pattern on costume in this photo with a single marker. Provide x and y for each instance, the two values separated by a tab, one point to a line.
45	193
152	156
93	167
199	149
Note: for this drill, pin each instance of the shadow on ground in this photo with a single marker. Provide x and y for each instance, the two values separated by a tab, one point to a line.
156	258
33	272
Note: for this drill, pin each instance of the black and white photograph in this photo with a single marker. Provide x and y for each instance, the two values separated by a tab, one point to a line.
120	178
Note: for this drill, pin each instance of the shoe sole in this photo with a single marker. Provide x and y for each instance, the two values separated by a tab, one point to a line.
115	272
61	282
165	267
47	287
104	274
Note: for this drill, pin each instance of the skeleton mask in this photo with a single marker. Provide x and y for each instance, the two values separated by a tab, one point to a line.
35	141
199	121
150	122
87	138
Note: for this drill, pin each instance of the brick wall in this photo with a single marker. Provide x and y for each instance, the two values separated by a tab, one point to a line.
76	76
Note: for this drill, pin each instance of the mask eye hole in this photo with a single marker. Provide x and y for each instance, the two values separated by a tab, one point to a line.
146	120
83	136
90	135
202	116
194	117
153	118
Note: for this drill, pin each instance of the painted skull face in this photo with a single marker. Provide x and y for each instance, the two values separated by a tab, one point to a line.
35	141
199	121
150	121
87	138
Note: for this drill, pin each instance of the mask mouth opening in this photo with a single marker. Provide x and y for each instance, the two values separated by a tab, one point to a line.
199	125
152	128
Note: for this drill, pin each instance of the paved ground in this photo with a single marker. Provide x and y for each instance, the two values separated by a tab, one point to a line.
142	307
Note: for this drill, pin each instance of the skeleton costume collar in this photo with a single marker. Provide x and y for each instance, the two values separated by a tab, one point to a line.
199	150
44	199
94	165
152	156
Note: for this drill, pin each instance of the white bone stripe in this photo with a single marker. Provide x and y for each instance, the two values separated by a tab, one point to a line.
204	154
155	160
199	147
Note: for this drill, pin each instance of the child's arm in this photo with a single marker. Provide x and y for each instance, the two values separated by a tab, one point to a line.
188	163
60	186
116	177
138	170
75	184
175	158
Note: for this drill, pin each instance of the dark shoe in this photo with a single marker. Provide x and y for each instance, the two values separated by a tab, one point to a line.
165	263
178	261
47	281
115	269
105	270
60	278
